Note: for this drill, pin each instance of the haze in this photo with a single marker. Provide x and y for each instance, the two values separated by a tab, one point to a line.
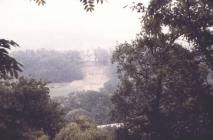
64	25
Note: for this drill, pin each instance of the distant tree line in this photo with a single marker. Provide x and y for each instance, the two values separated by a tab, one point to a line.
102	56
50	65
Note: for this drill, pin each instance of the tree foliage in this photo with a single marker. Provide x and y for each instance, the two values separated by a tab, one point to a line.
26	109
102	56
188	20
89	5
95	105
40	2
82	129
164	91
8	65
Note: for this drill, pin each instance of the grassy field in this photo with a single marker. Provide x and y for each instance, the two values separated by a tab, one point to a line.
95	77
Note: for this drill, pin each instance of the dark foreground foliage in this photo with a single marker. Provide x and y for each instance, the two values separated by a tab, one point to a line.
164	92
26	110
8	65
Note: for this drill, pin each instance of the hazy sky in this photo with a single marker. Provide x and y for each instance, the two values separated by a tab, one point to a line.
63	24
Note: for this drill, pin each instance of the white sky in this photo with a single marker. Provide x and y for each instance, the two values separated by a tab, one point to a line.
63	24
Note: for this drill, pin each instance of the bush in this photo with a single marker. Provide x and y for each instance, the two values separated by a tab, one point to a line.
95	104
84	130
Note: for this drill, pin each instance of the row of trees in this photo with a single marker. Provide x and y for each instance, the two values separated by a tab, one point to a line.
50	65
56	66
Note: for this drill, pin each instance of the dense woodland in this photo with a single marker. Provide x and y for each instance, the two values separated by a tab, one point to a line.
163	91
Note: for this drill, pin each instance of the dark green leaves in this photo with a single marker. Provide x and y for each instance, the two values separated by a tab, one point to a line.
185	18
26	107
8	65
90	4
40	2
164	87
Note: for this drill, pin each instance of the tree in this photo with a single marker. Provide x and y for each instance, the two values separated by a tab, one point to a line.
163	93
102	56
164	84
191	20
26	108
8	65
